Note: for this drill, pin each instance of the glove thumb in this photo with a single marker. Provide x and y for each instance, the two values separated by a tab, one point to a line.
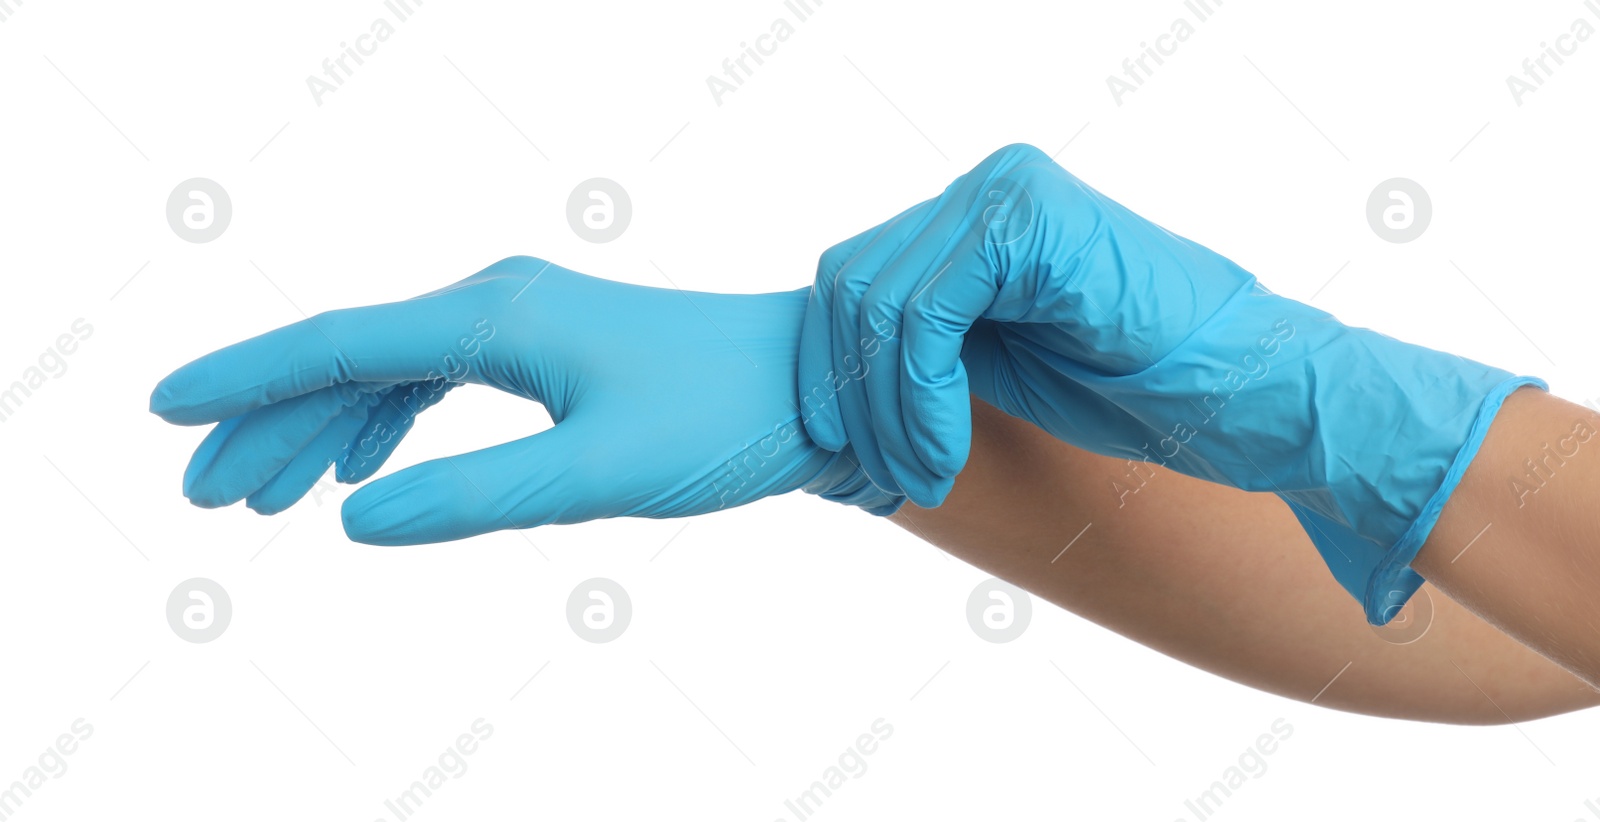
519	484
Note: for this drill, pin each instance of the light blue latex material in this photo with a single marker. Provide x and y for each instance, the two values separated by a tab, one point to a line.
666	404
1050	301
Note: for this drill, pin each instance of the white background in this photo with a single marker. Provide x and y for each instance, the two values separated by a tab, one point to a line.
765	639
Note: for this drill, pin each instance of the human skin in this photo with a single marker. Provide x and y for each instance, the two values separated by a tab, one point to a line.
1227	581
1517	541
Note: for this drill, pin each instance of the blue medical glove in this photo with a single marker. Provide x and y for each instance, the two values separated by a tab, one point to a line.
666	404
1047	299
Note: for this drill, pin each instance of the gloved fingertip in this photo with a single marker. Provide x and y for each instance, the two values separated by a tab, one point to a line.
369	516
160	400
408	508
941	436
208	498
341	468
190	475
213	491
266	506
929	492
178	399
938	420
166	403
201	489
944	456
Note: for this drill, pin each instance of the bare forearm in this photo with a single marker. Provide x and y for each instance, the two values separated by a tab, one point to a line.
1219	578
1519	541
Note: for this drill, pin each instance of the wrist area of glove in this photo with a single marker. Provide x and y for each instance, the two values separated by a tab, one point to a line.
1390	584
1365	436
1377	572
842	480
1389	430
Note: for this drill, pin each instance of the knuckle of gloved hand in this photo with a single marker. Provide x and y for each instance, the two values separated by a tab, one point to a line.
830	262
851	283
1021	153
509	274
508	278
518	263
1008	161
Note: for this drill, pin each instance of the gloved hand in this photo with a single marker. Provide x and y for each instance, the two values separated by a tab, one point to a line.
1124	339
666	404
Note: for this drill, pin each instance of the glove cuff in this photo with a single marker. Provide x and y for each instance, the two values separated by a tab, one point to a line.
1379	574
1393	573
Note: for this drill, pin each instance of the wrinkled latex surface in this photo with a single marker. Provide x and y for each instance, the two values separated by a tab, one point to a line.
1033	291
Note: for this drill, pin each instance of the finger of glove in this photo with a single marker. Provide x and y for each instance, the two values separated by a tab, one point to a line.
854	354
954	220
388	423
816	376
924	469
953	227
879	335
412	340
261	444
520	484
303	472
948	278
208	448
936	413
